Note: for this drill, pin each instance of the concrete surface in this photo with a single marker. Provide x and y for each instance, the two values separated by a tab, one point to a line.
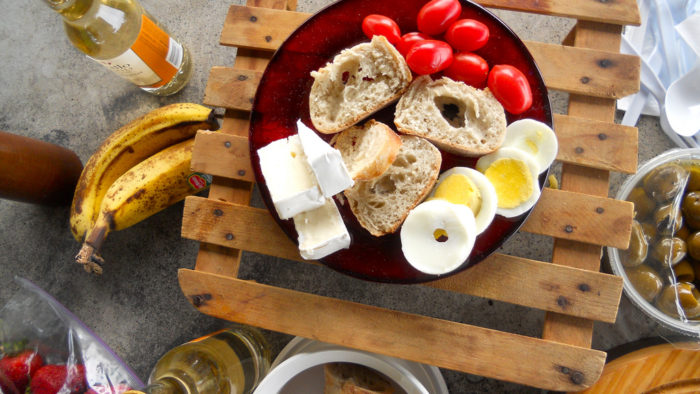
52	92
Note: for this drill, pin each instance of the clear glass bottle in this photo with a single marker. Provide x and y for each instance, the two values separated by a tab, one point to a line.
123	37
229	361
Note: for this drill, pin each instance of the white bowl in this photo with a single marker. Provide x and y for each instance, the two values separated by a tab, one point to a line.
299	369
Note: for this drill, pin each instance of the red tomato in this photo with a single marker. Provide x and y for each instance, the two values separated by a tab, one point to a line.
408	39
467	35
429	56
469	68
380	25
511	88
437	15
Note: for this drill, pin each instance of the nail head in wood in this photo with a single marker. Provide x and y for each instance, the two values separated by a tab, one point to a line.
268	38
569	229
218	212
229	236
242	77
605	63
227	144
241	172
253	18
578	150
602	136
585	80
600	210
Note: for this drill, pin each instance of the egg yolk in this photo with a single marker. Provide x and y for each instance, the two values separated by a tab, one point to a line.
512	180
459	189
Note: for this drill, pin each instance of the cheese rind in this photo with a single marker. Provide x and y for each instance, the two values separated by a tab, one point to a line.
321	231
325	161
289	178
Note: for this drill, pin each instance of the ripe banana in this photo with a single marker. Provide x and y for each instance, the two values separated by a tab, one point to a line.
129	146
149	187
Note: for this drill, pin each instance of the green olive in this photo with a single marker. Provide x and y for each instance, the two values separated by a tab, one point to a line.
693	244
693	168
684	271
649	231
668	219
645	281
643	205
665	182
683	233
691	205
638	249
681	298
670	250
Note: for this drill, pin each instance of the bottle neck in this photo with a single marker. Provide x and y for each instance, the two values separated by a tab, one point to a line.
71	10
164	386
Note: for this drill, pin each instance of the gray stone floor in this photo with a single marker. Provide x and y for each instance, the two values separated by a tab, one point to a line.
50	91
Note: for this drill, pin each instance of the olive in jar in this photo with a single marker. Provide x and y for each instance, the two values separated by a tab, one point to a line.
643	204
646	281
680	299
691	205
668	219
665	182
638	249
693	169
684	271
670	250
693	243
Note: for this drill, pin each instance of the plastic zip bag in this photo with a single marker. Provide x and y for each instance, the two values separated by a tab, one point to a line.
46	349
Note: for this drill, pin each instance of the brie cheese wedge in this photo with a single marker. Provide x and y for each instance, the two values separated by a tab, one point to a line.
325	161
321	231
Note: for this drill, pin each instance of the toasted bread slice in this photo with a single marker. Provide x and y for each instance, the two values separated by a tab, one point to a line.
382	204
348	378
367	150
359	81
455	116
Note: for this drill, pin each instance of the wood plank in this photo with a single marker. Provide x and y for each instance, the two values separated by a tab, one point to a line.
548	287
561	289
585	71
582	217
210	258
228	87
452	345
622	12
596	144
559	327
222	155
259	28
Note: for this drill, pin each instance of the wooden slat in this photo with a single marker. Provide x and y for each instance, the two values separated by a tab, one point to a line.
561	289
582	217
586	71
223	155
602	145
623	12
575	70
548	287
558	327
442	343
231	88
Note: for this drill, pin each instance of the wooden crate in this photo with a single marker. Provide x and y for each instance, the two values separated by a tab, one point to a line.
579	217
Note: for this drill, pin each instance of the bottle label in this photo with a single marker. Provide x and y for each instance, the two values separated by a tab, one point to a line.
153	59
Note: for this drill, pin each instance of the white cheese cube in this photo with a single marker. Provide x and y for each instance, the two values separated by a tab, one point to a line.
321	231
326	162
289	178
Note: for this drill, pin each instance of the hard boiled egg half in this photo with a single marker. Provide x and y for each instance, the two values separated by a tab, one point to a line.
438	236
467	186
535	138
513	173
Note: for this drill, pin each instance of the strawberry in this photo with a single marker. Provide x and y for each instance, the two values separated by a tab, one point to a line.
17	369
50	379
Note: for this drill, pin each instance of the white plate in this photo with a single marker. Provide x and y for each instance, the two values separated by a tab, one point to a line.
299	369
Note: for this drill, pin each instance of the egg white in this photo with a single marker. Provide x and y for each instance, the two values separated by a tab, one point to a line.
504	153
418	242
535	138
489	200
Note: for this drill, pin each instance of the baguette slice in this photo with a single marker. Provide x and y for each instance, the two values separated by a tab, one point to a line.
348	378
359	81
367	150
382	204
455	116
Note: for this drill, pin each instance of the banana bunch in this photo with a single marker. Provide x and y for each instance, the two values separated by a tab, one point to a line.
138	171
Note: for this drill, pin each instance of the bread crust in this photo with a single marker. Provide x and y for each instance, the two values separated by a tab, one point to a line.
331	78
381	150
478	123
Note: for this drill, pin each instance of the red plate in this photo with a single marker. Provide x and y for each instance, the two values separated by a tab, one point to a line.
282	99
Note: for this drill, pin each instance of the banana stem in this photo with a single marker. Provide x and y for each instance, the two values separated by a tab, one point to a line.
89	255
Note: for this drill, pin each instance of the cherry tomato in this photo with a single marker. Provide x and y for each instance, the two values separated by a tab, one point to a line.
511	88
408	39
469	68
437	15
429	56
467	35
380	25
